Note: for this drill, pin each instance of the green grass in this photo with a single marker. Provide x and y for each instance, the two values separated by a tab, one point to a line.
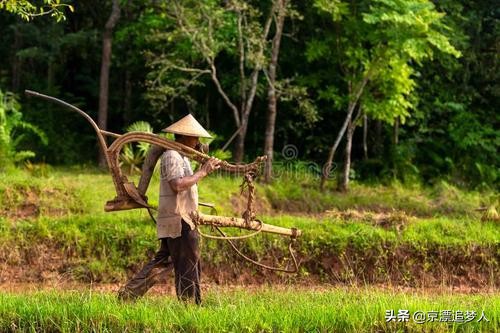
264	310
84	190
103	246
303	195
437	230
429	237
445	233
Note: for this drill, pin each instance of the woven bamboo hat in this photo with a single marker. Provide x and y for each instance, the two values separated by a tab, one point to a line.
188	126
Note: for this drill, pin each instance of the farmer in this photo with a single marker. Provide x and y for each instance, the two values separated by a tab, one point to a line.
176	231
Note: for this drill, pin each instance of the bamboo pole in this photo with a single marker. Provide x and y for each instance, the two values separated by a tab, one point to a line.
223	221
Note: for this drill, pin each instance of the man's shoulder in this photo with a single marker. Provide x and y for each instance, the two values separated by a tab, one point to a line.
170	153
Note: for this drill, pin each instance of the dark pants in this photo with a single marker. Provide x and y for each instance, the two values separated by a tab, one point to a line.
183	254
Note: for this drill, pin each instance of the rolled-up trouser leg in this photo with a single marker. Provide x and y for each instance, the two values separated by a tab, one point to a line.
185	254
146	278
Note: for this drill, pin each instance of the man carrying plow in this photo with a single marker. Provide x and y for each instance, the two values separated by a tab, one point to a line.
178	215
176	231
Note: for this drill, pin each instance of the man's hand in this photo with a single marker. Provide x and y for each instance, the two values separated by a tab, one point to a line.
211	165
183	183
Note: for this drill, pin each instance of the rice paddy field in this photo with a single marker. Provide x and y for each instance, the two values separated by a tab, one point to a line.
389	258
281	309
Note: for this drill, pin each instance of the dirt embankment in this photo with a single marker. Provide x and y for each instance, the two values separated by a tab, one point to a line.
405	267
43	260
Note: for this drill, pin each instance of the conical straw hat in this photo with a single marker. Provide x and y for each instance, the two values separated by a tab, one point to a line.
188	126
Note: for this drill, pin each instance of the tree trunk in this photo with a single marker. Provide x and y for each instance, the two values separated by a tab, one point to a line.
247	102
344	182
365	137
352	104
271	93
378	145
127	101
353	100
107	40
239	150
396	132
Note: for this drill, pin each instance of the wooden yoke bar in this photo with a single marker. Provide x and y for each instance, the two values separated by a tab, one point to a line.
223	221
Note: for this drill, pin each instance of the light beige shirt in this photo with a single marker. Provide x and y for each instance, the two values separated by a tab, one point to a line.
174	207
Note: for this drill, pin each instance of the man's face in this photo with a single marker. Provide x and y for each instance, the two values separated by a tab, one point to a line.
190	141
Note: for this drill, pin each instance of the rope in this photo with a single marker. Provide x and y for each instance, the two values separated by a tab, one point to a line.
248	181
152	216
238	252
249	214
277	269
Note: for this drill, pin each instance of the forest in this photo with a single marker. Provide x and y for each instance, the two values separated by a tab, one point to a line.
368	90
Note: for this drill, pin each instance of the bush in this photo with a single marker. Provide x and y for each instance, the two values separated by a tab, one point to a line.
10	137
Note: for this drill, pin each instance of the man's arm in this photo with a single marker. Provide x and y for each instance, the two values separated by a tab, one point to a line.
183	183
148	168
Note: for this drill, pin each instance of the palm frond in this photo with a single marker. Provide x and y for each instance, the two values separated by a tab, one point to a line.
133	154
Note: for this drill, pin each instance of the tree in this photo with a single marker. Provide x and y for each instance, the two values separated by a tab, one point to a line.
351	126
271	92
452	133
107	40
375	44
202	32
457	128
29	10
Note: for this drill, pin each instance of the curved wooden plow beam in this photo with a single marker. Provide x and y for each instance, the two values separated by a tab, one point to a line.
126	190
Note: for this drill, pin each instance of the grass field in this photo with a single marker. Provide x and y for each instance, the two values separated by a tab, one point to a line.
84	190
239	310
102	247
371	234
53	228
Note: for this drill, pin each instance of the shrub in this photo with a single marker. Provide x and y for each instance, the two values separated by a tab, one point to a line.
10	136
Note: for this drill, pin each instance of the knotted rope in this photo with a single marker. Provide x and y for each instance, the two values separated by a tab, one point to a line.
249	214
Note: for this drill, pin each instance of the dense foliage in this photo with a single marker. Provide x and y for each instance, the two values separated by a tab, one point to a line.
430	102
12	131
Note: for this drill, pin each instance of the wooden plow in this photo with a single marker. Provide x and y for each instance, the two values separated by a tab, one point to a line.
128	197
